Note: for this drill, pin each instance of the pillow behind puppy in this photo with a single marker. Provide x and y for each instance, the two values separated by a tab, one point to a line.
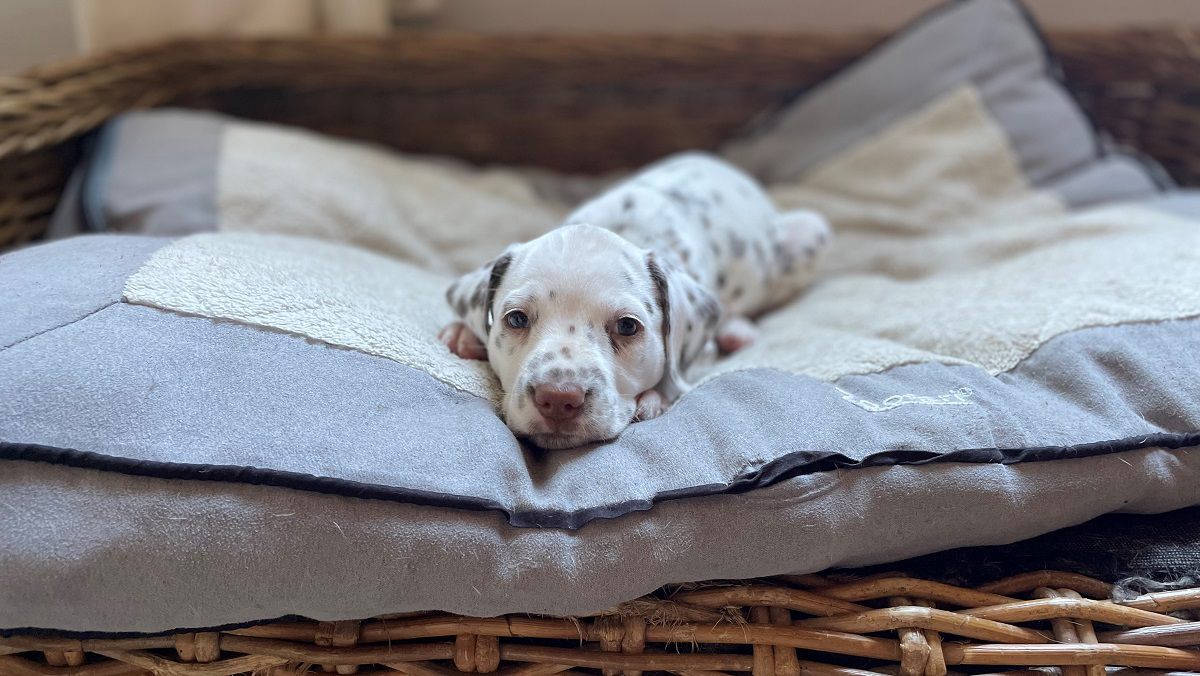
594	324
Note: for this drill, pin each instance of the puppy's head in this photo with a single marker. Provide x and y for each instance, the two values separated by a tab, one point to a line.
578	323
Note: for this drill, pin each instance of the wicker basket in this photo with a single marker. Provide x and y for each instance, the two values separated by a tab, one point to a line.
585	105
569	103
780	627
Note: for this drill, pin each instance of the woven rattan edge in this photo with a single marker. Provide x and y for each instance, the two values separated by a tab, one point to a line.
777	627
586	103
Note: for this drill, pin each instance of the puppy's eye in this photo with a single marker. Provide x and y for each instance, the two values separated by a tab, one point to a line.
627	326
516	319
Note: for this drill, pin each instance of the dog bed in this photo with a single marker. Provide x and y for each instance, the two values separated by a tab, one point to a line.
246	378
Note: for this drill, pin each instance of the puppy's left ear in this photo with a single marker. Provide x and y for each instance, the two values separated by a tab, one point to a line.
689	322
473	295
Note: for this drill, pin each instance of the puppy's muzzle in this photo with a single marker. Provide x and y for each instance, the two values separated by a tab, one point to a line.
559	402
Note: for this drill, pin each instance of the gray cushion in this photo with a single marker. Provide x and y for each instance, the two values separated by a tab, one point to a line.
990	44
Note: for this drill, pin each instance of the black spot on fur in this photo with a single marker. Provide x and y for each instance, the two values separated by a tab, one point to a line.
716	197
691	327
788	263
686	255
706	221
785	259
716	249
566	351
679	198
627	205
552	294
460	306
555	373
659	279
571	328
737	246
494	280
721	280
736	293
691	295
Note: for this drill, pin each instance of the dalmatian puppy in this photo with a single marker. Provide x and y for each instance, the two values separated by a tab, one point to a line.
594	325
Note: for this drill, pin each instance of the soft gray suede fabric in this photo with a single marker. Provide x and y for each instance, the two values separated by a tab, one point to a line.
153	387
1184	203
1114	177
148	171
95	551
45	287
67	219
158	175
988	43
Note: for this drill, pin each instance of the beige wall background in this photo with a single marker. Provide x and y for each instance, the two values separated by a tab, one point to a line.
37	31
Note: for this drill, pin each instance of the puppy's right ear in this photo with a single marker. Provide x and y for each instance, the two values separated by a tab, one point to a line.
474	294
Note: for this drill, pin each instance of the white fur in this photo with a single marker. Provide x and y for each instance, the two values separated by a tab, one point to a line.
691	235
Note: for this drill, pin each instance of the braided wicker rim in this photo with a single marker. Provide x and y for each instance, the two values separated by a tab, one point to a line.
578	103
782	626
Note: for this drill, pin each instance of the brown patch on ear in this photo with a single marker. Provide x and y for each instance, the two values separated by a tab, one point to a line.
661	296
499	268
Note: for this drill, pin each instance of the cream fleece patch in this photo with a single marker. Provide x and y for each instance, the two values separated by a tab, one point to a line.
1045	278
440	215
945	254
947	168
329	292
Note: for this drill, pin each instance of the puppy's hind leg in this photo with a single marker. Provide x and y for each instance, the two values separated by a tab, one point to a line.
735	333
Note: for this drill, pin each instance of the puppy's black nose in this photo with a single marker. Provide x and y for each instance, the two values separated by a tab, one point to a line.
560	401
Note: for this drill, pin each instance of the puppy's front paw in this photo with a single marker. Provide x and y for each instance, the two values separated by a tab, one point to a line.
462	341
650	404
735	334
